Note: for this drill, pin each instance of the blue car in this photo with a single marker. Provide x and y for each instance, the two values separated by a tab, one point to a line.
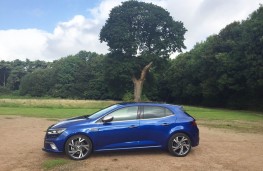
125	126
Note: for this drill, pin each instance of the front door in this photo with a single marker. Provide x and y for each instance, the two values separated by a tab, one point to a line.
121	132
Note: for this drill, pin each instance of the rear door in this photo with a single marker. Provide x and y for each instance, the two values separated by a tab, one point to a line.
155	125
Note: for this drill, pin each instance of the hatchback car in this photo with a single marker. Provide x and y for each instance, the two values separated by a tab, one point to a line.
125	126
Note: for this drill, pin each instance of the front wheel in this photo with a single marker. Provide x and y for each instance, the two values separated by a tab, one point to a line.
78	147
179	145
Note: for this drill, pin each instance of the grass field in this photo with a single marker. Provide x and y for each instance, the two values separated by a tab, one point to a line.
51	108
240	121
244	121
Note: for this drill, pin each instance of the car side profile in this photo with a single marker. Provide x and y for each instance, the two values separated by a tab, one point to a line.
125	126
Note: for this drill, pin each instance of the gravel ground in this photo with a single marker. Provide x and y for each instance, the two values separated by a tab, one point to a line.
22	140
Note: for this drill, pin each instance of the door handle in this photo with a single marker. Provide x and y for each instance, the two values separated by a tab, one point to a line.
165	124
133	126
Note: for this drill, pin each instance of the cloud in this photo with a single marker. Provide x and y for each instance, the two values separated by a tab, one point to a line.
200	17
203	18
22	44
101	12
79	33
70	37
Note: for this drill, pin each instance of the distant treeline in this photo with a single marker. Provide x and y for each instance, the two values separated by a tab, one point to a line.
226	70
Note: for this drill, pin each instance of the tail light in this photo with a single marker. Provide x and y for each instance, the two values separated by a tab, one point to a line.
194	123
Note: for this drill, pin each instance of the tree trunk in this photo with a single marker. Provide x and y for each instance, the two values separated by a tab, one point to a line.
138	83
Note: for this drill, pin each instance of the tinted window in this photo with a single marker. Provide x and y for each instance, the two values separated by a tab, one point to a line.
103	111
127	113
155	112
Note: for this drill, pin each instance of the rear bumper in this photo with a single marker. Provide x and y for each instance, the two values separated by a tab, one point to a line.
195	137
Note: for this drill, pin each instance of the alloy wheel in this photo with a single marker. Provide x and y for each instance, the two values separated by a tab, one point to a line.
78	147
179	145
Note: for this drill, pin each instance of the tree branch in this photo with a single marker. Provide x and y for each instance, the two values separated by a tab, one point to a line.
134	78
144	71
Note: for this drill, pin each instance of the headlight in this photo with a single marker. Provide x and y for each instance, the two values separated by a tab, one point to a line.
55	131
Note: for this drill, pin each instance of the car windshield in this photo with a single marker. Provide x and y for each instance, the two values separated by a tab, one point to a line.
101	112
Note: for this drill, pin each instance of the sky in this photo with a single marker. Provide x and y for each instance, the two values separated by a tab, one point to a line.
51	29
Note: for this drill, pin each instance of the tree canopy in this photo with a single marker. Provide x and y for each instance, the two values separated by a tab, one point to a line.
137	28
224	70
137	34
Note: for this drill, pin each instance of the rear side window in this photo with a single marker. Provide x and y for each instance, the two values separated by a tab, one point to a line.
155	112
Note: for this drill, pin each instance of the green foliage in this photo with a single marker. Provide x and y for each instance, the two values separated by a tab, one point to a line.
128	97
4	72
66	74
4	91
75	76
11	73
37	83
142	26
225	70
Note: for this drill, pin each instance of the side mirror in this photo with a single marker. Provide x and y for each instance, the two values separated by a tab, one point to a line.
107	118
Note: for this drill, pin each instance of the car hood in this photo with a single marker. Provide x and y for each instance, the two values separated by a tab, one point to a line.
81	120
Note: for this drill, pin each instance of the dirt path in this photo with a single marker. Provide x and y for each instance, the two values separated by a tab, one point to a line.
22	140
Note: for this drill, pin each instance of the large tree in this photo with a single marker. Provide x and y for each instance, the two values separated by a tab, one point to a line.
138	35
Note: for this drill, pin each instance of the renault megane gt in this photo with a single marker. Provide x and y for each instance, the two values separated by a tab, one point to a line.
125	126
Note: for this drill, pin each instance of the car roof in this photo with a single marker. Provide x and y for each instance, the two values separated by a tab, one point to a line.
150	104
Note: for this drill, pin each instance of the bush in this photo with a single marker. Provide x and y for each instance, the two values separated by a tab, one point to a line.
128	97
4	91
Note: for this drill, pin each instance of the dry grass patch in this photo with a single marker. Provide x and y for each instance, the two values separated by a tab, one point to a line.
56	103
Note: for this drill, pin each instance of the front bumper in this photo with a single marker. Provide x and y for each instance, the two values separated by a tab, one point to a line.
50	146
54	144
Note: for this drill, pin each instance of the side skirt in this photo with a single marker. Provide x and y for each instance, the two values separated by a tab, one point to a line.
159	146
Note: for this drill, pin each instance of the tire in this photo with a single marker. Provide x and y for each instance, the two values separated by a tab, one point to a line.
179	145
78	147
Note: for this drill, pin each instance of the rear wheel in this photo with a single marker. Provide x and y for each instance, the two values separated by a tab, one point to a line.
78	147
179	145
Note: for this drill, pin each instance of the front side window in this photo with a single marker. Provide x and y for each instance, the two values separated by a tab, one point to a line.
155	112
127	113
103	111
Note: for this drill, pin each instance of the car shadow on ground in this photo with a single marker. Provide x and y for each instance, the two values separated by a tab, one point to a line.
121	153
137	152
55	155
114	153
